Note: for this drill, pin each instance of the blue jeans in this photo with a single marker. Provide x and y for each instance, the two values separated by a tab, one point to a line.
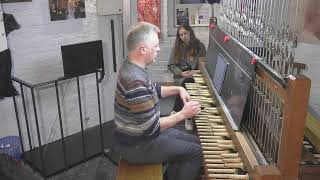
181	151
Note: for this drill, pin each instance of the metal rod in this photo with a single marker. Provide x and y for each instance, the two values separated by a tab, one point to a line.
81	120
21	82
26	116
99	110
113	47
18	122
38	129
61	127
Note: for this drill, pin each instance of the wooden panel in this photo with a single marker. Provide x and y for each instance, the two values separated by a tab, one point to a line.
245	152
309	173
139	172
275	87
295	112
312	131
266	172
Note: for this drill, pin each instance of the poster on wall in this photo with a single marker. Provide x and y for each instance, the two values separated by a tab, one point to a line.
66	9
149	11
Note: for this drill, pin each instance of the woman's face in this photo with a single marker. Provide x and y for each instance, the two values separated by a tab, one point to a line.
184	35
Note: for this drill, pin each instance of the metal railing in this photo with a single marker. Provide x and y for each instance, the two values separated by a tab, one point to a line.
28	145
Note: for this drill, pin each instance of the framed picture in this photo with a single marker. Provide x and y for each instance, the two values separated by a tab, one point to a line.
66	9
149	11
14	1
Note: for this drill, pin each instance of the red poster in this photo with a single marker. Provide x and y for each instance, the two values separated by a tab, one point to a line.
149	11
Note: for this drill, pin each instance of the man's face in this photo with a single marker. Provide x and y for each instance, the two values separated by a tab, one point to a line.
184	35
152	49
312	17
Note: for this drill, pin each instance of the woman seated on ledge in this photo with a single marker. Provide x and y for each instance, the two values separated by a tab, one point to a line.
184	57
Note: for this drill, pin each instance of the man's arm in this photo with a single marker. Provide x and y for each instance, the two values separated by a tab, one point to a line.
175	90
191	109
170	90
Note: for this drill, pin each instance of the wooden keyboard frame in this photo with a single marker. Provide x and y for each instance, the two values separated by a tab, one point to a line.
295	100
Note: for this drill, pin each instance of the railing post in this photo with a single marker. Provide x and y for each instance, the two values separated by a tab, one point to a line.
81	119
99	110
18	122
61	127
38	129
26	116
292	133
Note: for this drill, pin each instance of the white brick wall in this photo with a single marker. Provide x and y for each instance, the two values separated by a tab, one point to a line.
164	20
36	58
310	55
3	39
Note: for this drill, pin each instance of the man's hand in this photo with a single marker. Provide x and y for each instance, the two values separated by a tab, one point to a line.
186	74
191	109
184	95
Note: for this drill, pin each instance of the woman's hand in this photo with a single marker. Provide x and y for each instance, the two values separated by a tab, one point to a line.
187	74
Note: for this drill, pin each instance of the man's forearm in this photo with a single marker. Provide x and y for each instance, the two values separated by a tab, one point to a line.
170	121
170	90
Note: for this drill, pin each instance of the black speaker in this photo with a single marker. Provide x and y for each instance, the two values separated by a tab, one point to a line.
213	1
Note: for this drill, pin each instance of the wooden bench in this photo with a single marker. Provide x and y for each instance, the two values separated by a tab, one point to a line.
139	172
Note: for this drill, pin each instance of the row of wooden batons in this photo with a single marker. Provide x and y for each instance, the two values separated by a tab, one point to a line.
221	159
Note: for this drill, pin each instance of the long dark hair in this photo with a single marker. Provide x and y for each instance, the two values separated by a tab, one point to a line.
193	43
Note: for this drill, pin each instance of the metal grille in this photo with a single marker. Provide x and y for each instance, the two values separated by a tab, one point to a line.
264	119
269	28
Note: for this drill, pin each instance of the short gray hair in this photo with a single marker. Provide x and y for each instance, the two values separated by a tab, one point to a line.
140	32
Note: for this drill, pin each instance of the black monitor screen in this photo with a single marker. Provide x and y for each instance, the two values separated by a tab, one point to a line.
82	58
235	90
219	73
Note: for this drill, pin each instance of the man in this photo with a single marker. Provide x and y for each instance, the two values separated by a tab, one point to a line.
142	136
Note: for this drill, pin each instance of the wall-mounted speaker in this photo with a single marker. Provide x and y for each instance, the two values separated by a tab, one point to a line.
109	7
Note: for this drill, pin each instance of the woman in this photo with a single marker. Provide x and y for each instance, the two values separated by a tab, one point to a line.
184	57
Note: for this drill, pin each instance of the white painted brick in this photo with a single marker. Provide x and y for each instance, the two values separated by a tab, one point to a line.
36	58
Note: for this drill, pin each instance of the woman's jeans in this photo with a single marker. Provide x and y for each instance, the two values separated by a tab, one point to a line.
181	151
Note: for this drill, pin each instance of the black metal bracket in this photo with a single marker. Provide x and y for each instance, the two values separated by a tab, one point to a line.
113	47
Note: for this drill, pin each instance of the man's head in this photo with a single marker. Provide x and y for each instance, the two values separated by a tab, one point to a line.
185	34
143	43
312	15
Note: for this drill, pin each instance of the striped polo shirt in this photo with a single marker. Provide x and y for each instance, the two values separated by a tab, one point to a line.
137	108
